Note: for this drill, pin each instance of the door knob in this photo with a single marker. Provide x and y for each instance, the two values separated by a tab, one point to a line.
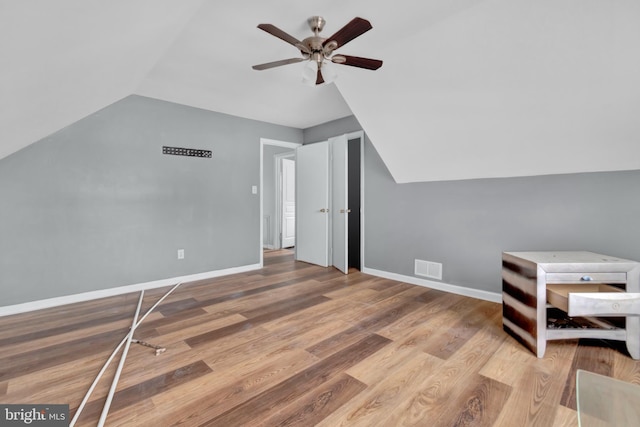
345	210
324	210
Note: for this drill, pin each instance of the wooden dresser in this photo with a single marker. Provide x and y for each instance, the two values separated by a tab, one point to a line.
590	287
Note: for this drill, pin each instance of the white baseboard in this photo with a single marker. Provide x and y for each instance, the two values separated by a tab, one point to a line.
87	296
454	289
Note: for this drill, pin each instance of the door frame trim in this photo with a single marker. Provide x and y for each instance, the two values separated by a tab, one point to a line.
263	142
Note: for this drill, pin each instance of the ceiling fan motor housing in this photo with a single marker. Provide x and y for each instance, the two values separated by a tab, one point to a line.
319	52
314	44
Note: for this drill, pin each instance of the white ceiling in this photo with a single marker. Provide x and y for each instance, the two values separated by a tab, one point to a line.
468	88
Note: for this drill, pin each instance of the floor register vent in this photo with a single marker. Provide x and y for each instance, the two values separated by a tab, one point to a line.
432	270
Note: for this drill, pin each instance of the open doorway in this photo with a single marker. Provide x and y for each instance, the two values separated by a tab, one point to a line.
272	210
330	202
285	223
354	171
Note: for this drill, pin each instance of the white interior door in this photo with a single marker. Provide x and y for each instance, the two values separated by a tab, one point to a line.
288	203
312	199
339	203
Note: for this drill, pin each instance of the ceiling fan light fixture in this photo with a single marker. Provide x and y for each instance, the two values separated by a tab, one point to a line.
329	72
309	73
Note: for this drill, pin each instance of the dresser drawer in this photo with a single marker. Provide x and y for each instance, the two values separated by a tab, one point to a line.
593	299
586	277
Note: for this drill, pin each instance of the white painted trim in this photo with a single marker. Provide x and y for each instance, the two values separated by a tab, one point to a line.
103	293
263	142
454	289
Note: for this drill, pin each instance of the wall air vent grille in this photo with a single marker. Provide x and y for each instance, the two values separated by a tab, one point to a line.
432	270
189	152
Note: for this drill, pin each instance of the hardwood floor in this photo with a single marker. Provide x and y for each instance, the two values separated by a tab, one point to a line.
296	344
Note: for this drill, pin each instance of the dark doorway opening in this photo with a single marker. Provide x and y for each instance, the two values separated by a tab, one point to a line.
353	239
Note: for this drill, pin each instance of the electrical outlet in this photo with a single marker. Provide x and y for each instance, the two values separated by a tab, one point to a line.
180	253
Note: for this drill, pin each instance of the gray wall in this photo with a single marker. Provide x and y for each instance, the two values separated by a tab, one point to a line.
465	225
97	205
269	189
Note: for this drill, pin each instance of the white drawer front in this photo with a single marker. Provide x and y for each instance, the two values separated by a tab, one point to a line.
604	304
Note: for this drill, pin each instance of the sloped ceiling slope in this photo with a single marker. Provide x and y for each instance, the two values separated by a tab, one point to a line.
507	88
209	64
468	89
63	60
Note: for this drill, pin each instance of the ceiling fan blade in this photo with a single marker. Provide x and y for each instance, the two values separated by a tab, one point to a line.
355	28
275	31
274	64
356	61
319	79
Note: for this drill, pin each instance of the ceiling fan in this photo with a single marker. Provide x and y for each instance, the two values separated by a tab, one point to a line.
319	51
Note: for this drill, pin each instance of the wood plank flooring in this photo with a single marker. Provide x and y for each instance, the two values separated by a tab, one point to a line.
297	344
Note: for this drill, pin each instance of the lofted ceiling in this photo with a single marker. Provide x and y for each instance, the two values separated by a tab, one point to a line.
468	89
